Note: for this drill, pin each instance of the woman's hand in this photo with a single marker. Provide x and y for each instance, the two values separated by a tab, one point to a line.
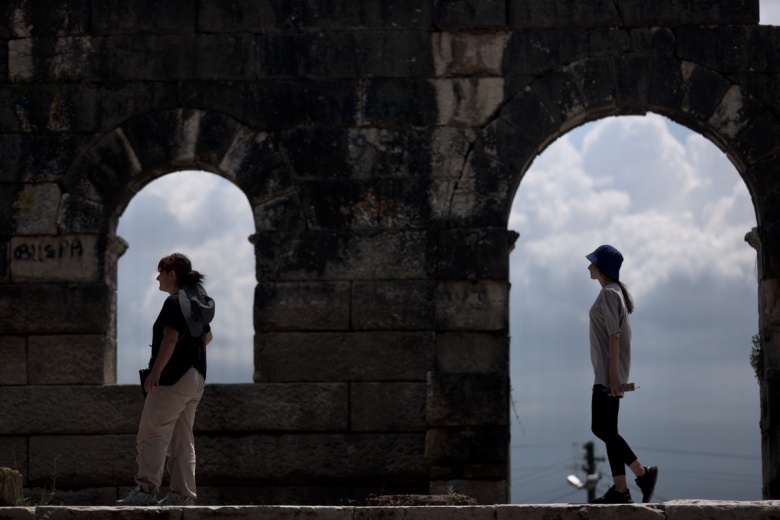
152	381
615	386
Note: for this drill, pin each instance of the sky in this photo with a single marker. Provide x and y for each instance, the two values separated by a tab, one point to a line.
663	195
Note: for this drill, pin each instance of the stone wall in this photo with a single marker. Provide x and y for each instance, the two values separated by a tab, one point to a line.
380	144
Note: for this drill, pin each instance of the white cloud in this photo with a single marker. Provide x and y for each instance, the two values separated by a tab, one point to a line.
769	12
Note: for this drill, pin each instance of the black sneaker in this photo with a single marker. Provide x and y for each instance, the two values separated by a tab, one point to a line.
647	483
614	497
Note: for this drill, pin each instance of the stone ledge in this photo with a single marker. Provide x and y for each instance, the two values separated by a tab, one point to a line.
673	510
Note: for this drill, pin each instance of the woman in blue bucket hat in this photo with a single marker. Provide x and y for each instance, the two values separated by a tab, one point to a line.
610	353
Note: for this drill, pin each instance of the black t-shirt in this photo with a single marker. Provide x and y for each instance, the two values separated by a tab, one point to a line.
189	351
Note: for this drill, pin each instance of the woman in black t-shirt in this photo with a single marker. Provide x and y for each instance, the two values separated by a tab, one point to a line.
175	382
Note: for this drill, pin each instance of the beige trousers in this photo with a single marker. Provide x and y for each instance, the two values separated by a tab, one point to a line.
166	429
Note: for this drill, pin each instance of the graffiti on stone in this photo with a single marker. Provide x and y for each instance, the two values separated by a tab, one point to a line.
68	258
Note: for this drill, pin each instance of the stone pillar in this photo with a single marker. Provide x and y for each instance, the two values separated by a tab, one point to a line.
59	306
766	243
467	409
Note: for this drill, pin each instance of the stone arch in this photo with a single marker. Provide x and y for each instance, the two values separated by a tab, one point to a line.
101	182
688	93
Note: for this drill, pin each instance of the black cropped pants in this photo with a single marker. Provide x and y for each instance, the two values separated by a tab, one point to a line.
604	425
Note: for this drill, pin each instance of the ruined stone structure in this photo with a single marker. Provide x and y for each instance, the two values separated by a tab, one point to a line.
380	144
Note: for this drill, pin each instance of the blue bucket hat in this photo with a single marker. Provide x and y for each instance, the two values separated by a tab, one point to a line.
608	260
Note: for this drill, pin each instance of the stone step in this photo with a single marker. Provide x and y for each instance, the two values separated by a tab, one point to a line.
673	510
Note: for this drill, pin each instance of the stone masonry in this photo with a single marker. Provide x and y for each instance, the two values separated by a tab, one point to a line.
380	144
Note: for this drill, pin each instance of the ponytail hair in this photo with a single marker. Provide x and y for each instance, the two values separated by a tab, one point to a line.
181	265
627	297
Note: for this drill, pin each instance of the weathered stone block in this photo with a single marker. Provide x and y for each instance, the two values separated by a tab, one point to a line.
306	55
282	213
13	453
147	141
71	360
50	259
102	174
704	91
541	51
81	215
399	102
622	42
756	142
701	509
467	399
5	255
664	82
484	491
318	152
459	54
138	58
240	16
307	458
111	460
274	407
343	256
466	305
482	196
104	512
467	102
34	158
13	369
10	487
49	410
560	93
424	512
36	209
395	305
225	56
255	164
474	253
595	79
467	445
142	17
382	204
393	54
260	495
57	18
54	309
302	306
461	14
523	14
64	60
146	16
112	108
462	352
689	12
575	511
277	495
395	407
356	356
310	103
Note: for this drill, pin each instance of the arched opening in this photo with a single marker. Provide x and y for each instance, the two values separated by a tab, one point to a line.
209	219
670	200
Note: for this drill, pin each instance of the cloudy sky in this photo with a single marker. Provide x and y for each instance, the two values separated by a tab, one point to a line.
666	197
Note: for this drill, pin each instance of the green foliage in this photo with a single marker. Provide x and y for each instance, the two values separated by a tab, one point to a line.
451	495
46	497
757	358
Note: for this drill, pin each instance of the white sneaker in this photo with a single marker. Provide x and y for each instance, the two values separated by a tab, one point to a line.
138	498
175	499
